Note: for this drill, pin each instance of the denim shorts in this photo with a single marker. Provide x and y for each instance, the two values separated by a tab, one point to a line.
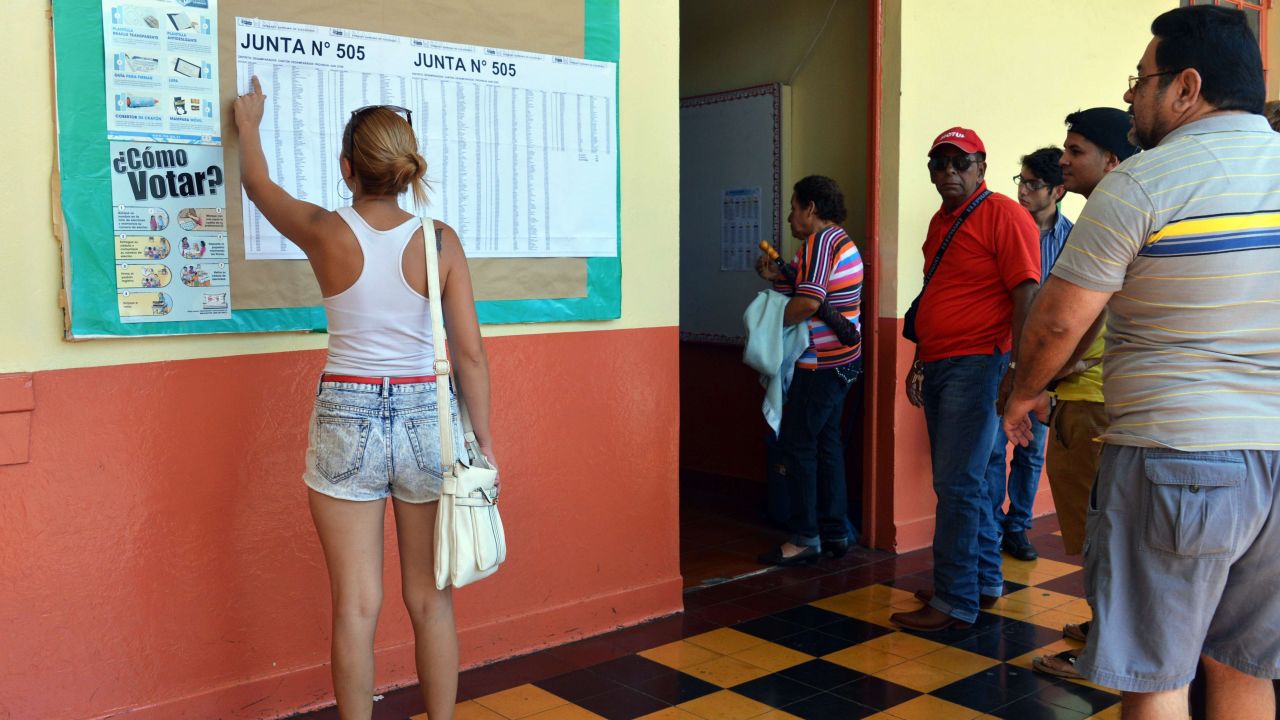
1182	558
366	442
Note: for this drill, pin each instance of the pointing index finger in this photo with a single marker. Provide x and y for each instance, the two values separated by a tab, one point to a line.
257	86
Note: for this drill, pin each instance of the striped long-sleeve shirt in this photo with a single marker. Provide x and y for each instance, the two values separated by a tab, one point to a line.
829	268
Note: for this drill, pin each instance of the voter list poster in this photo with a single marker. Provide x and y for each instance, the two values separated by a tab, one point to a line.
521	147
162	70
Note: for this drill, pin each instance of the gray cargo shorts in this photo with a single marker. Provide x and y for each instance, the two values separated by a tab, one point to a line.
1182	558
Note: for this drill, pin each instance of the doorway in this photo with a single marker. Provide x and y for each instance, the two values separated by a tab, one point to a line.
817	51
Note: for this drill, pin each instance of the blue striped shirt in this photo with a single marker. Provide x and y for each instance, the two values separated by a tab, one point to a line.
1051	242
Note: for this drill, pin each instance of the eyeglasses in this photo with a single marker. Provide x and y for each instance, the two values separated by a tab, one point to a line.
348	137
939	163
1032	185
1134	80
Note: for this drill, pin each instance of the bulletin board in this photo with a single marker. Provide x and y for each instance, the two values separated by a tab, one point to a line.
730	143
548	290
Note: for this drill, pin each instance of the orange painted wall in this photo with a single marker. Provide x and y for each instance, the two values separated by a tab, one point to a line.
158	556
911	511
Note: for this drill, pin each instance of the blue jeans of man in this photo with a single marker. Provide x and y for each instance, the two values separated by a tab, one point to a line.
814	451
960	413
1024	476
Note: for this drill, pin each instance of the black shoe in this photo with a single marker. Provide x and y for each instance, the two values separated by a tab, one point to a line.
808	556
1017	545
835	548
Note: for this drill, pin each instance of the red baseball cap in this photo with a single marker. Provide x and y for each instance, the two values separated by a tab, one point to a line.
963	138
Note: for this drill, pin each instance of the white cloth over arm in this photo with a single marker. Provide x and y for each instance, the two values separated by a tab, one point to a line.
772	350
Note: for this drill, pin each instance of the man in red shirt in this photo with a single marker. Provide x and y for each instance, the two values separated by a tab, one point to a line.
968	319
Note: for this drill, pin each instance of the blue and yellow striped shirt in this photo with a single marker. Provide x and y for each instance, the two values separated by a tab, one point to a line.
1187	237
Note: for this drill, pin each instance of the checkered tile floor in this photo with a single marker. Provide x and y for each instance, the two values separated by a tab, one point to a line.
806	643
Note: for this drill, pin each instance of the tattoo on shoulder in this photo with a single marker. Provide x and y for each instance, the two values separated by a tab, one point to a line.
439	240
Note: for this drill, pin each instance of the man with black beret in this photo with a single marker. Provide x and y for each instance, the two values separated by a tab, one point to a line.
1097	141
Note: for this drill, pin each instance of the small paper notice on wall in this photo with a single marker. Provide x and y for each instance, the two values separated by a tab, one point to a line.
739	229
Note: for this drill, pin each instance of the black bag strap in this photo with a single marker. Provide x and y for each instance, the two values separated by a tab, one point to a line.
950	234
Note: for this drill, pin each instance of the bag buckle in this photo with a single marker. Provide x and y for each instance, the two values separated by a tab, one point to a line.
441	367
491	499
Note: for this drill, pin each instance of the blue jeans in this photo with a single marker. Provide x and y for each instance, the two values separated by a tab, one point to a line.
960	412
1024	476
814	450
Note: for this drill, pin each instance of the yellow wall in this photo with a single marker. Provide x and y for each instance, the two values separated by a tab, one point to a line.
30	275
1009	69
1273	52
729	44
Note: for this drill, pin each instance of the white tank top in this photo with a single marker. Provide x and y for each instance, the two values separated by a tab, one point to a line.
380	326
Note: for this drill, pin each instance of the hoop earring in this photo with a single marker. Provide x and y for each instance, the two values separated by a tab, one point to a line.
341	184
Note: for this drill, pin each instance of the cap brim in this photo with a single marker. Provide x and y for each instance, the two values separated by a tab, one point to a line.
955	145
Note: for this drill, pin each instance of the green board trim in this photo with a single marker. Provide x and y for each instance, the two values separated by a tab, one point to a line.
84	156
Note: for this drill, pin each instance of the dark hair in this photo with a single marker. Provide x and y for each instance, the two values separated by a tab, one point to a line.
1043	163
1218	44
825	195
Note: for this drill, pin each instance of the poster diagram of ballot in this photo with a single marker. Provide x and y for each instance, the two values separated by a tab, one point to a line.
161	61
521	147
168	208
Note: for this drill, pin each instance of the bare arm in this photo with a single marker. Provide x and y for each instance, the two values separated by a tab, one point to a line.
466	346
799	309
294	218
1060	316
1023	295
1075	363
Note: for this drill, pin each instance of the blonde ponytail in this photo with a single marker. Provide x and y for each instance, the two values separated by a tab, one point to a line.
384	154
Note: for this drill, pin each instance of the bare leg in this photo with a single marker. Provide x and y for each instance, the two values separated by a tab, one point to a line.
351	535
1234	695
435	637
1167	705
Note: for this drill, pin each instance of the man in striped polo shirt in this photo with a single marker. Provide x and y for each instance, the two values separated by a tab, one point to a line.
828	269
1181	245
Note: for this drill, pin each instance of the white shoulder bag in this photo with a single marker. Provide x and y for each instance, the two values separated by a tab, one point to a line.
470	542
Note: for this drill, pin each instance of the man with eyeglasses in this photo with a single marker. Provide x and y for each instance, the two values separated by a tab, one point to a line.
968	318
1181	245
1040	189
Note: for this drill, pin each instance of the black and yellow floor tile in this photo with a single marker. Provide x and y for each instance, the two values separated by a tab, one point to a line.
807	643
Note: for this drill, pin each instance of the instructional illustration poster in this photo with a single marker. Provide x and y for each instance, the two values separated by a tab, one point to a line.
521	147
740	229
162	70
169	218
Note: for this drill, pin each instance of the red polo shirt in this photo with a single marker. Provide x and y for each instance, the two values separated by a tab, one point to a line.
968	307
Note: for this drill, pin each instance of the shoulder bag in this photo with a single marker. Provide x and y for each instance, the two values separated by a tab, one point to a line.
909	320
470	542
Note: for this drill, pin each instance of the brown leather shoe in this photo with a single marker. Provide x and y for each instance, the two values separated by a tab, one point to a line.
927	619
986	602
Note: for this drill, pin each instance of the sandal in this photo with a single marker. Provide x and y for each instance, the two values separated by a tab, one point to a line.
1062	665
1077	631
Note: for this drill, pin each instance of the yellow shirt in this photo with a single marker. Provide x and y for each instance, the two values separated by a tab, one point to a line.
1085	385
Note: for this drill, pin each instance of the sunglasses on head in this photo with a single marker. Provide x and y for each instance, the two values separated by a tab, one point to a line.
938	163
349	139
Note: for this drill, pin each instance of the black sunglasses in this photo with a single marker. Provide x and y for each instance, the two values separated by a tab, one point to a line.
939	163
349	136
